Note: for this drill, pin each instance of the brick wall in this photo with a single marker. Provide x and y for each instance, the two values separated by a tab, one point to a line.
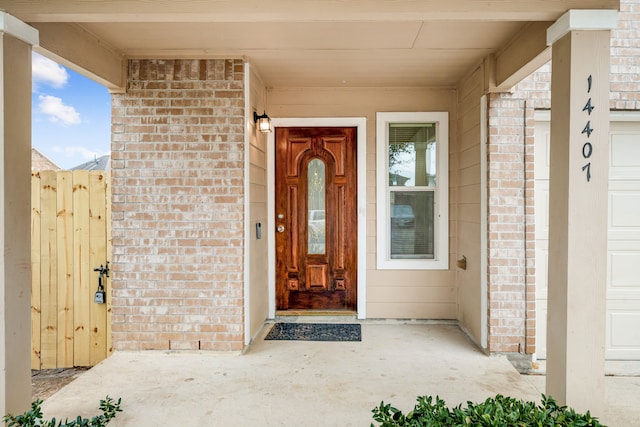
39	162
625	58
178	206
511	197
511	225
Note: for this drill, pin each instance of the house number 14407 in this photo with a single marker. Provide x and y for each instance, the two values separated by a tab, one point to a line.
587	148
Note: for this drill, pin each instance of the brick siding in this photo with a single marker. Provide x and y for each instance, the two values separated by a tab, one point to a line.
39	162
178	206
511	189
510	224
625	58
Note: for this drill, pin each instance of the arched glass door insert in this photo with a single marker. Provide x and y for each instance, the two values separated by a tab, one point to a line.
316	202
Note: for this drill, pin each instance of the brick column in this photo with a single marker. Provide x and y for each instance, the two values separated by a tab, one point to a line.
16	39
578	208
511	275
178	206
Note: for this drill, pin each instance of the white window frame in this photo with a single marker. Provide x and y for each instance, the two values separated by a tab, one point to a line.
441	203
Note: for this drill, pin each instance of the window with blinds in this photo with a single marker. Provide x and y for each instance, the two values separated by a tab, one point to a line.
413	190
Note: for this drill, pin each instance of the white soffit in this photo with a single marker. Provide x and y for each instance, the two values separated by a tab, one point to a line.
578	19
18	29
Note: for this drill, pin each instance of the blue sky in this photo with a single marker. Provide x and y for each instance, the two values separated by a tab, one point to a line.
71	114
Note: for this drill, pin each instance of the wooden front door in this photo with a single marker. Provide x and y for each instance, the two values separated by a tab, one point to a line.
316	219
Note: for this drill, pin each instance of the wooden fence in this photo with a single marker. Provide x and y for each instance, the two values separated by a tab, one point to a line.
70	237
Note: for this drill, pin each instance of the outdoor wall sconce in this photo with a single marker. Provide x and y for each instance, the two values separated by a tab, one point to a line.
263	122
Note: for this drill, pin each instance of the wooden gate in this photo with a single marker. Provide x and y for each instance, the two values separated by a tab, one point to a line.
70	237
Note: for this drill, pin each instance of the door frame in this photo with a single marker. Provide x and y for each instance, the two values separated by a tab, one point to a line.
360	123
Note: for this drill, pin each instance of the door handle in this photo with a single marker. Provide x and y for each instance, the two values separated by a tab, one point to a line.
280	229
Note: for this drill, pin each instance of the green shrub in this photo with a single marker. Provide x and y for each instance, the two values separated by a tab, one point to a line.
33	417
499	411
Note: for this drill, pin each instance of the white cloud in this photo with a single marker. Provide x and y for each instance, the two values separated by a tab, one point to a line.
45	71
58	112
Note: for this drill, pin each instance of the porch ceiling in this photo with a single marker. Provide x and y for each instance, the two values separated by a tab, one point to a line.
299	42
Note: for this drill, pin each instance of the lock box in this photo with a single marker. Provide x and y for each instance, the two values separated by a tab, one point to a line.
99	297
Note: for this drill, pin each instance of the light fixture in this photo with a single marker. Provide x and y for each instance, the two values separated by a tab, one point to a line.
263	122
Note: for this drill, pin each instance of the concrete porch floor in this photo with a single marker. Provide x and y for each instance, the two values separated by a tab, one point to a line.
285	383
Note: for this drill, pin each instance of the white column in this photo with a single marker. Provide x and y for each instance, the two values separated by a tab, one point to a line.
580	42
16	40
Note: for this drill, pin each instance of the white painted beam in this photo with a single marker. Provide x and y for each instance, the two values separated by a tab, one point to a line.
527	52
18	29
295	10
73	47
582	20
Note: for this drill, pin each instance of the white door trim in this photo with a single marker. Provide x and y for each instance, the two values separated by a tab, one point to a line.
361	124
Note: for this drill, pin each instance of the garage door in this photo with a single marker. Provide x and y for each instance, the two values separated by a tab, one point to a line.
623	281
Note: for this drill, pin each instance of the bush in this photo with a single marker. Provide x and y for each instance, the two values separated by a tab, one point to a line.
33	417
499	411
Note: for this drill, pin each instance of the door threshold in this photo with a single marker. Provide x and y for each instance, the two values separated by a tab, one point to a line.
284	313
316	316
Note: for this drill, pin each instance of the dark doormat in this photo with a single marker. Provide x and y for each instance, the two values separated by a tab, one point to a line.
315	332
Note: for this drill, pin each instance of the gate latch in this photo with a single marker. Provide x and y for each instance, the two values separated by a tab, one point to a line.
100	297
